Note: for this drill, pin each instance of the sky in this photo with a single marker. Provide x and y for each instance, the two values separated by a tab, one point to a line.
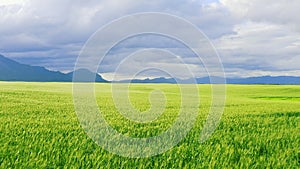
252	37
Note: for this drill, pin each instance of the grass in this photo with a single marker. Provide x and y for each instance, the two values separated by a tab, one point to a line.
259	128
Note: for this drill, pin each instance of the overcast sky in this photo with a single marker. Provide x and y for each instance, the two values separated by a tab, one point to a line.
252	37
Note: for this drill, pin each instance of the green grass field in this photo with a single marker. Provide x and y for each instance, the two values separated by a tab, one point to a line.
260	128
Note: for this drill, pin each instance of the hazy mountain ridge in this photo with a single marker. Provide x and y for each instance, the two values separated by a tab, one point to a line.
11	70
280	80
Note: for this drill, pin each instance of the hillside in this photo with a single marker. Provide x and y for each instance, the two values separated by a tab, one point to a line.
11	70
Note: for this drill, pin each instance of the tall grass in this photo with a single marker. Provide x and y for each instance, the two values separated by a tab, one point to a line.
259	128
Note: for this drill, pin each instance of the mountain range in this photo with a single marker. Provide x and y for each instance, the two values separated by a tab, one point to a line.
280	80
11	70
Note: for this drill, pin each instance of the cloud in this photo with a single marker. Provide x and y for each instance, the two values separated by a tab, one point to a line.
260	46
280	12
252	37
266	39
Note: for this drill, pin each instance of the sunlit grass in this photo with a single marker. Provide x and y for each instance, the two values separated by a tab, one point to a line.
260	128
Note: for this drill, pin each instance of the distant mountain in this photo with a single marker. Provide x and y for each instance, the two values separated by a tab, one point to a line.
280	80
166	80
13	71
84	75
147	80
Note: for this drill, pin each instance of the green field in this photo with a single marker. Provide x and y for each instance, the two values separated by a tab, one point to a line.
260	128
